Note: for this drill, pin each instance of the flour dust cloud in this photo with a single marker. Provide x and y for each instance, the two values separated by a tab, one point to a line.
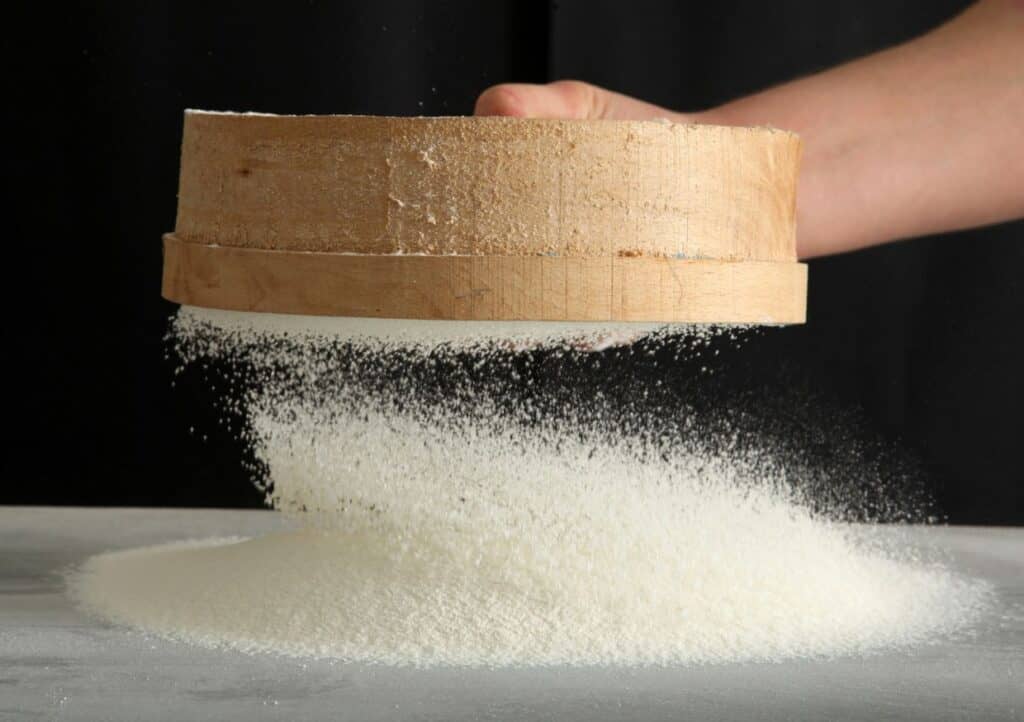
460	495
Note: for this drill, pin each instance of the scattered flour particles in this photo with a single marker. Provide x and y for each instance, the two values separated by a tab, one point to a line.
447	511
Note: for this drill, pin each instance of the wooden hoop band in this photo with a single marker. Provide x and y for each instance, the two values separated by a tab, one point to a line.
543	288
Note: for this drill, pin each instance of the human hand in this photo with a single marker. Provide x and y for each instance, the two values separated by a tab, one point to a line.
570	100
918	139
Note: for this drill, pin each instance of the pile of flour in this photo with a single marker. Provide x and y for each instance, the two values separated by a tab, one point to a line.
474	525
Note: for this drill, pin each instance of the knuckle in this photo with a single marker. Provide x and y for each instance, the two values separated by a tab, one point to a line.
583	98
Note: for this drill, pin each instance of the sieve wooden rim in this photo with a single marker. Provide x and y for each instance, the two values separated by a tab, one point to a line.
513	288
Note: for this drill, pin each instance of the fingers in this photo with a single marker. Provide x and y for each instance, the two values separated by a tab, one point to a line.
568	99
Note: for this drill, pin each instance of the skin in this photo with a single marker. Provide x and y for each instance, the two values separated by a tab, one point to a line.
922	138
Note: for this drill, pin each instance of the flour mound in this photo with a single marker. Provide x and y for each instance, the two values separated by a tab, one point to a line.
475	526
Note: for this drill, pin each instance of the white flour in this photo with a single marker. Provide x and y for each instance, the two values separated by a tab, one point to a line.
440	532
235	327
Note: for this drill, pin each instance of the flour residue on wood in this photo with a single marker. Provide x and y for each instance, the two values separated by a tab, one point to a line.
488	186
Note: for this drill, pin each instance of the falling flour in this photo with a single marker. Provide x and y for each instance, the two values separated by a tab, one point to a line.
486	525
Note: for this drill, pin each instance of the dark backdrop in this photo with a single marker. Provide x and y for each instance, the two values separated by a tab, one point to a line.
921	341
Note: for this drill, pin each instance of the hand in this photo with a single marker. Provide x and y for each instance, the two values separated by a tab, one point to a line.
922	138
570	99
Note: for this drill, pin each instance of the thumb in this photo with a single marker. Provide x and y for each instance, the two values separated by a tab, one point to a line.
570	100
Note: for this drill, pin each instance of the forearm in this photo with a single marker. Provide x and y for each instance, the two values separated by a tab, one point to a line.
922	138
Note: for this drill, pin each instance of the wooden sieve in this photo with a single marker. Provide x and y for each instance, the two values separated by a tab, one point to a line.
486	219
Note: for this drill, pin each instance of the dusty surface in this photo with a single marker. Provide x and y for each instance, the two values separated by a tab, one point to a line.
56	663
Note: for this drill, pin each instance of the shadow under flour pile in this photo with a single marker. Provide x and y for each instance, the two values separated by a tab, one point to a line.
458	498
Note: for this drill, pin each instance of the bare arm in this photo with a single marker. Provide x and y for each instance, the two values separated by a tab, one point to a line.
922	138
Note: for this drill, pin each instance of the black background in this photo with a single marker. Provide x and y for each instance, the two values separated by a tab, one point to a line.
920	341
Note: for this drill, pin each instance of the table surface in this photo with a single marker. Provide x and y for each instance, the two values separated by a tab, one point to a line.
56	663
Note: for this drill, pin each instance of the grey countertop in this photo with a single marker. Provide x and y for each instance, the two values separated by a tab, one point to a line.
56	663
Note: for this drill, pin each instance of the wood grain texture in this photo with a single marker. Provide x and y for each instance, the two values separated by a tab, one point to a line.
487	218
544	288
488	186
